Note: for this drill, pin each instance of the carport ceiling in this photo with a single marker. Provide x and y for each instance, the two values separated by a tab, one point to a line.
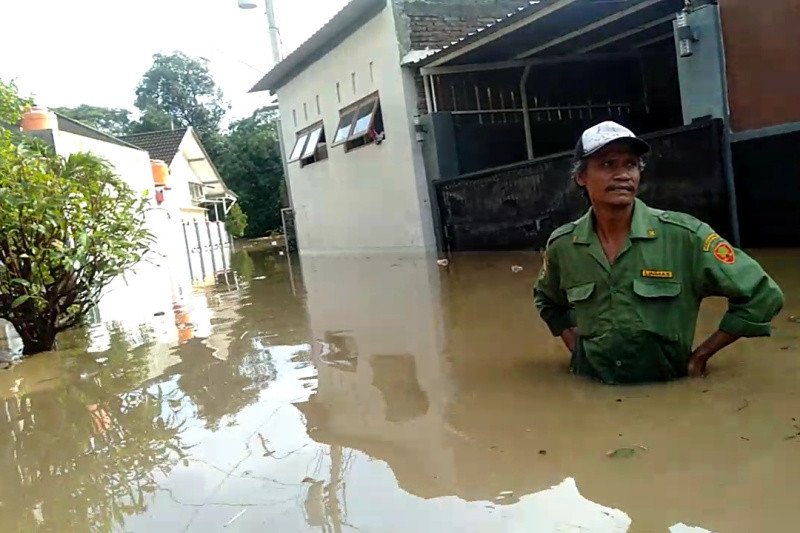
564	27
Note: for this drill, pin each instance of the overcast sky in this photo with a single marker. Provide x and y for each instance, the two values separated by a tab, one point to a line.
71	52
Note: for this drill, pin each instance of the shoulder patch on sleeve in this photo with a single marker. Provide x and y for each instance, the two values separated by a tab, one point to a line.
681	219
566	229
710	240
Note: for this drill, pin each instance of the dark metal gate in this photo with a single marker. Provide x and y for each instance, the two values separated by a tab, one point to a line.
518	206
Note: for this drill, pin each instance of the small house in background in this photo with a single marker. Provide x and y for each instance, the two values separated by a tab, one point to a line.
422	123
194	182
193	189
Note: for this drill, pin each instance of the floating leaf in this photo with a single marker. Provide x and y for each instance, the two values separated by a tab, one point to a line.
622	453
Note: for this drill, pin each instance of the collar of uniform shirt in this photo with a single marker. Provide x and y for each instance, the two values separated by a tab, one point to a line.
643	225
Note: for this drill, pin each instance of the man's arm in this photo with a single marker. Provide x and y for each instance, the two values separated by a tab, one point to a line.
753	297
551	301
716	342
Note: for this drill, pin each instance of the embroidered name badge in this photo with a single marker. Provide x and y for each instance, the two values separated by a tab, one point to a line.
724	253
660	274
710	241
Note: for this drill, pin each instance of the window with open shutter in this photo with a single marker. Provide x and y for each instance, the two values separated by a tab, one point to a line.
310	146
360	123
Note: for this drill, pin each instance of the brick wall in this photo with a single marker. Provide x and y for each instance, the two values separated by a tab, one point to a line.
436	23
433	24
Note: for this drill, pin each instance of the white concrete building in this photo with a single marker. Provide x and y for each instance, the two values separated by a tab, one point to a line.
355	171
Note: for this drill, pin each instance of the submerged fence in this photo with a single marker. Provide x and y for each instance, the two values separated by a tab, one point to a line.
208	249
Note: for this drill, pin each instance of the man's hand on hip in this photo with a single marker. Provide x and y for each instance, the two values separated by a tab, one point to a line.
570	338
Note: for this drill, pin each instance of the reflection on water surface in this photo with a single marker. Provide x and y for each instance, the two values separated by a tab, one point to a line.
387	393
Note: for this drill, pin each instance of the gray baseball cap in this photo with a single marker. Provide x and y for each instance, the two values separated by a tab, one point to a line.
599	136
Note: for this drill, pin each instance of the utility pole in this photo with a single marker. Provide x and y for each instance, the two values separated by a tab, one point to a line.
277	56
274	35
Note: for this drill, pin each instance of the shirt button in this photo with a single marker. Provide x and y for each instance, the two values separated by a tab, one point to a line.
619	363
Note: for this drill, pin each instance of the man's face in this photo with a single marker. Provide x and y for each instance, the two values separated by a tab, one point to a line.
612	176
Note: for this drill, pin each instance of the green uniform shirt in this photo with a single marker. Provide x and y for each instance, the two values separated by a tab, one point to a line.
636	318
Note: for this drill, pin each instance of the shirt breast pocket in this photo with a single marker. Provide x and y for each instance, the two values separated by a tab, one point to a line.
582	299
656	304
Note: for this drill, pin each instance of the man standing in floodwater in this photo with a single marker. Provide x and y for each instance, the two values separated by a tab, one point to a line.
622	285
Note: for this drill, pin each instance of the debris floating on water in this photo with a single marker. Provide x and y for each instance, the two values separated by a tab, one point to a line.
621	453
516	269
443	262
795	319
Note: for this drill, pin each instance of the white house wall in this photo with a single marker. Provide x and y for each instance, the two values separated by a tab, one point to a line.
153	285
179	195
374	197
130	164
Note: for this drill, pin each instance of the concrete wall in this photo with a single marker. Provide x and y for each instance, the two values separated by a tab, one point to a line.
374	196
132	165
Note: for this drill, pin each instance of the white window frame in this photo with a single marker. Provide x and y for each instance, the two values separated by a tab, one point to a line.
298	148
194	186
372	100
314	135
306	146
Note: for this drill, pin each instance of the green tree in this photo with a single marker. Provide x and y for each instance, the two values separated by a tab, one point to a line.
70	226
11	104
113	121
251	166
236	221
180	88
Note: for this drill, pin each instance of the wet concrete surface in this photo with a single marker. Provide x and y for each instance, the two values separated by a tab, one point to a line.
387	393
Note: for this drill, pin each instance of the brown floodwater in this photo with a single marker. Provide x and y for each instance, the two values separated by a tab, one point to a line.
387	393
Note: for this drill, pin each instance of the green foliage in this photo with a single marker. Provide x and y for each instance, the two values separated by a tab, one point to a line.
250	164
113	121
70	226
236	221
181	88
11	104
